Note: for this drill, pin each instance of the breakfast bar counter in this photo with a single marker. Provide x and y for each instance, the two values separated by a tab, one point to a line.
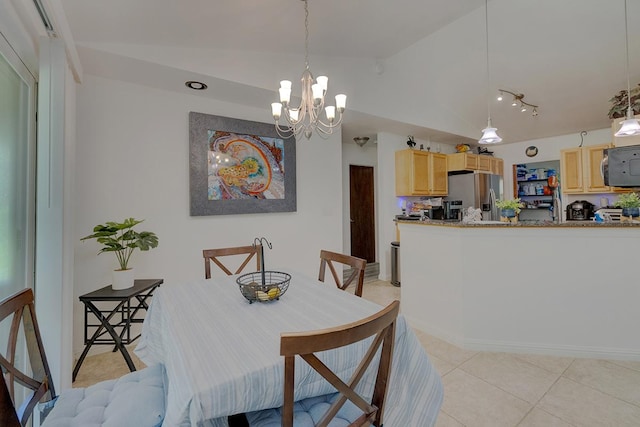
522	224
561	289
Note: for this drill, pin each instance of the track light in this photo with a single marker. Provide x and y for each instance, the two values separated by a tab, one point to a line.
518	101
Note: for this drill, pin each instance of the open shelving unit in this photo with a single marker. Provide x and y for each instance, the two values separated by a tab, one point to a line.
530	187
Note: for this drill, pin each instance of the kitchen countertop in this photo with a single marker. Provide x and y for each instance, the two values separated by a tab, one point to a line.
522	224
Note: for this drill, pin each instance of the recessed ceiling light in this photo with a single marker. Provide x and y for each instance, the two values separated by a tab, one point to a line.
191	84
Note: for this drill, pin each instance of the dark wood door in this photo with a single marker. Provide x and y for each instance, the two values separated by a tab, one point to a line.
362	208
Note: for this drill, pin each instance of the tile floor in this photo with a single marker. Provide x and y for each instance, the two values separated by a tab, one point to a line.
495	389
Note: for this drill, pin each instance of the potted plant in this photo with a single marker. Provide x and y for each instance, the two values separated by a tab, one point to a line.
121	238
619	103
630	204
509	209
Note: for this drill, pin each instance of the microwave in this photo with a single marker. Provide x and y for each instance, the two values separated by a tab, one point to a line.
621	166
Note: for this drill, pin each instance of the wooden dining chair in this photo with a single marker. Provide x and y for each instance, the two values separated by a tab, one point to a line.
213	255
358	265
133	399
347	406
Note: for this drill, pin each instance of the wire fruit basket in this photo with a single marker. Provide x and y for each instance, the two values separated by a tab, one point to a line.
263	286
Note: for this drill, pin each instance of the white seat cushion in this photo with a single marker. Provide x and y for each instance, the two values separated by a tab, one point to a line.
306	413
136	399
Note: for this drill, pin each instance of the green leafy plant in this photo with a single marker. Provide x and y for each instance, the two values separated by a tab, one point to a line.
514	204
628	200
619	103
121	238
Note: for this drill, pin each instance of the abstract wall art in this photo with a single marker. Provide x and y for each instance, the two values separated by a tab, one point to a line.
239	167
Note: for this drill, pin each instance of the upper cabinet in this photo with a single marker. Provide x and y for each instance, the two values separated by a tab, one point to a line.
474	162
581	169
497	166
421	173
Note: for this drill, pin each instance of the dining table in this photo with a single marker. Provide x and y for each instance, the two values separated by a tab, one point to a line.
222	354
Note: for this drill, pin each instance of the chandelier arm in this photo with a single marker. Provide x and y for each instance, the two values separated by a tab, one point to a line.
333	124
284	132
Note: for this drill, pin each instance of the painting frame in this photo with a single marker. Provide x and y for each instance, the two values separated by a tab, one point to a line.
200	125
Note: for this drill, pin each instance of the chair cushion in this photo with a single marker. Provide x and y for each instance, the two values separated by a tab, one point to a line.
136	399
307	413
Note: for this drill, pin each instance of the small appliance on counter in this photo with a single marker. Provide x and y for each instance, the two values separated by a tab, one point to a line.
452	209
580	210
434	212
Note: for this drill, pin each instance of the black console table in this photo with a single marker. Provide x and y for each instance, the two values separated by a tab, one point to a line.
116	321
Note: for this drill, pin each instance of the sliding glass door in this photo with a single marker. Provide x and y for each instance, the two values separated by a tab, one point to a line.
17	183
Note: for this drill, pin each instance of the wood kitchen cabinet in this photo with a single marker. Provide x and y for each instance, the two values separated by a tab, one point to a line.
473	162
497	166
580	170
421	173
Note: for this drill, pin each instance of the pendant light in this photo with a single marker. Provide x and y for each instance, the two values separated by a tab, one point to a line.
630	126
489	135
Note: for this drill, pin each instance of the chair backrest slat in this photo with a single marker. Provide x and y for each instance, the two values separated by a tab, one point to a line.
20	307
213	255
358	266
380	326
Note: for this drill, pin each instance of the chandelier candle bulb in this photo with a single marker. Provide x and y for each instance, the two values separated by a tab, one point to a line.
318	93
276	110
285	95
293	113
341	102
285	84
330	111
323	81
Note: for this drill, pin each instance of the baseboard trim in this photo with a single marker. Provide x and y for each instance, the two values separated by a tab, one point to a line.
587	352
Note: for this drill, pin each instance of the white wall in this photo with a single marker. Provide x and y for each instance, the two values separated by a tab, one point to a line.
133	161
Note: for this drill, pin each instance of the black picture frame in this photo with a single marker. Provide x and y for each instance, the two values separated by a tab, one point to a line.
200	127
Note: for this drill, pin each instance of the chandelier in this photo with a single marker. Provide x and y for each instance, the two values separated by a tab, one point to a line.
305	118
489	135
630	126
518	101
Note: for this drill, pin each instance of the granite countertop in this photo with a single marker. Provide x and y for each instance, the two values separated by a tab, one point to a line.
568	224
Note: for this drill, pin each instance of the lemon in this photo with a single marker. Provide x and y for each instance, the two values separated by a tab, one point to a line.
273	293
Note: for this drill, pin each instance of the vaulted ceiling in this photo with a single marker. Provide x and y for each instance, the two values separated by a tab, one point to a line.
567	56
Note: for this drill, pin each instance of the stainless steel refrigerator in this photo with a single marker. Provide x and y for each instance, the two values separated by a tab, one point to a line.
479	190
